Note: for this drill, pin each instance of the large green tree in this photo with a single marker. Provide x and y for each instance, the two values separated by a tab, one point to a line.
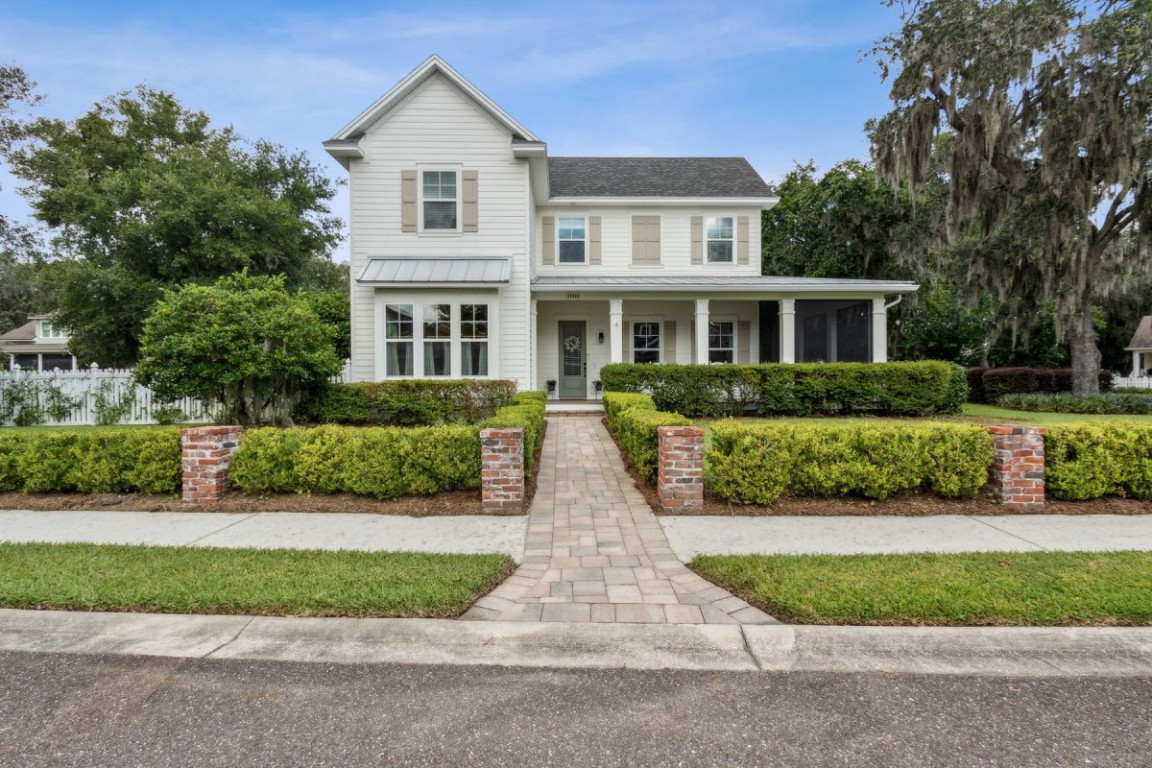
1049	167
142	194
246	343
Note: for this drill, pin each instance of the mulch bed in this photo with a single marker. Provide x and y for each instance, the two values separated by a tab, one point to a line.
914	505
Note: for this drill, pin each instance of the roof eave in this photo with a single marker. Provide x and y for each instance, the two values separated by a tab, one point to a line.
764	203
884	287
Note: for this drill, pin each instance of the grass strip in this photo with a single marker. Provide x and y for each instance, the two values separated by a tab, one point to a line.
261	582
1037	589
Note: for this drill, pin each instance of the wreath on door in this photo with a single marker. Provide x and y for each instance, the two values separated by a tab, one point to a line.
572	344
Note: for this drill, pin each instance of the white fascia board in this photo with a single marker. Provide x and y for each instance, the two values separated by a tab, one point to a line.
432	65
833	290
344	151
477	285
763	203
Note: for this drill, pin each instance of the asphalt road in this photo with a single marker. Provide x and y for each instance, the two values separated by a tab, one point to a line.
71	710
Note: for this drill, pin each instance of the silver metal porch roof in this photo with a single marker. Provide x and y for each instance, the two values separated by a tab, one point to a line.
435	270
688	283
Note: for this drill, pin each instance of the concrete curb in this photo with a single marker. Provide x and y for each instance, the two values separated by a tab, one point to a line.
1029	652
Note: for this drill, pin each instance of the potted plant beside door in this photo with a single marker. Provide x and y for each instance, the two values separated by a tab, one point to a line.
551	384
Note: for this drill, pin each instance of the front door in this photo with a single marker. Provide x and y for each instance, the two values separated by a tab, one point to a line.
573	378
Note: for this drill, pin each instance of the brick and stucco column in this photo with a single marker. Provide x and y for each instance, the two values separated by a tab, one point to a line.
205	456
680	469
1016	477
502	468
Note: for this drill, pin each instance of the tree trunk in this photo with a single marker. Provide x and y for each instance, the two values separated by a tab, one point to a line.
1085	355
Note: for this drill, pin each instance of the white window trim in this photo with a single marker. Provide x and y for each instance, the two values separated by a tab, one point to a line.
584	263
57	333
659	321
459	171
456	363
708	261
735	334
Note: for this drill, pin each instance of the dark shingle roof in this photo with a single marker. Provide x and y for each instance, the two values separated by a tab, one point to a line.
1142	339
654	177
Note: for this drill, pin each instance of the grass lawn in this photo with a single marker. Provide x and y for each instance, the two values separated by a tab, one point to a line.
985	589
263	582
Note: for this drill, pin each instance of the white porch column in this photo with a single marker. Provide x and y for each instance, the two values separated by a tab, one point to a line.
1136	364
701	330
616	330
787	330
879	331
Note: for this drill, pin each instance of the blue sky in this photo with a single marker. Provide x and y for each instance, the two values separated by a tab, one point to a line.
777	81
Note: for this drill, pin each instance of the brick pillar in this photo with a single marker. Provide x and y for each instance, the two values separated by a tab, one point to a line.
502	468
1016	477
680	476
205	456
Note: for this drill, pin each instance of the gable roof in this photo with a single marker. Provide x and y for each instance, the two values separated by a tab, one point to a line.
1142	339
433	65
655	177
26	332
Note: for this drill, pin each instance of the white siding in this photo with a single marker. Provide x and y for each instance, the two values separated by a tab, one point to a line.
438	124
675	242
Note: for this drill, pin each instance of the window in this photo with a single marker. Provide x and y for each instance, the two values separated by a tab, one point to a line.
721	341
398	335
440	198
437	339
646	342
719	239
474	339
572	244
49	330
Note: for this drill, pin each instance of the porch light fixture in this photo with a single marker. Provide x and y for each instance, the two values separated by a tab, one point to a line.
600	337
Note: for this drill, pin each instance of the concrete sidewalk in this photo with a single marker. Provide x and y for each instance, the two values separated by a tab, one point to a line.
1023	652
473	534
691	536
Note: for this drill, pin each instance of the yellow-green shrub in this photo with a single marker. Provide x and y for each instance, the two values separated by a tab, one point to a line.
756	463
91	461
634	420
1087	461
616	403
526	410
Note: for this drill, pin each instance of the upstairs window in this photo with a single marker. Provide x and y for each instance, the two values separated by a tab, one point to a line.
572	240
49	330
441	196
719	239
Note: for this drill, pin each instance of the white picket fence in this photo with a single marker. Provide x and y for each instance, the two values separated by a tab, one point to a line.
1140	382
96	389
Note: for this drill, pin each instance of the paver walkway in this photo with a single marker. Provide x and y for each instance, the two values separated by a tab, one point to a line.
595	552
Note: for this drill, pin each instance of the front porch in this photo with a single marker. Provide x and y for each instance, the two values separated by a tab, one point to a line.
575	335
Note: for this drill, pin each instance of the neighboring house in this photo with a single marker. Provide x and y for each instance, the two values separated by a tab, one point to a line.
1141	348
474	253
38	345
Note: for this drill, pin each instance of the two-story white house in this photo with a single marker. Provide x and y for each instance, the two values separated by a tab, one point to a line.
475	254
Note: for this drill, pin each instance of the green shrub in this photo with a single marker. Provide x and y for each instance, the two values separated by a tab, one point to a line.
634	420
408	402
1087	461
385	462
91	461
756	463
1108	403
905	389
526	410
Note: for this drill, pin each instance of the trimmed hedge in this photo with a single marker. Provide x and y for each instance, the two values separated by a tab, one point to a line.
1087	461
385	462
91	461
756	463
525	410
988	385
634	420
776	389
408	402
1108	403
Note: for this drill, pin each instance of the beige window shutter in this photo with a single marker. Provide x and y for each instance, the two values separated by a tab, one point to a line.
549	234
627	342
743	341
697	239
741	239
645	239
471	201
593	239
669	341
639	244
653	236
407	201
